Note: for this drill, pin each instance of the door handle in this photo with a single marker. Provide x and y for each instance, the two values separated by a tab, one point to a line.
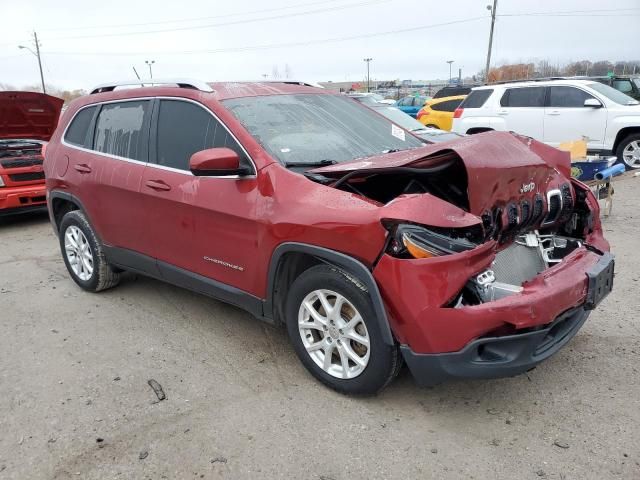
82	168
158	185
553	112
503	112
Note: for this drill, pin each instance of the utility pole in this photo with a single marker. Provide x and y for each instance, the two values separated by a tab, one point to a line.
37	54
450	62
368	83
149	63
493	21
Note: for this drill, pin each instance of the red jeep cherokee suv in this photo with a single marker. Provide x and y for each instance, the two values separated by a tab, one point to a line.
27	121
479	257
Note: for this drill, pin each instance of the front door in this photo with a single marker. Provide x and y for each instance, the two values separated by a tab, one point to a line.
566	118
201	225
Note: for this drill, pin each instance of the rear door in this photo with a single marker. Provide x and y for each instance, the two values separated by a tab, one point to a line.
566	118
523	110
107	150
202	225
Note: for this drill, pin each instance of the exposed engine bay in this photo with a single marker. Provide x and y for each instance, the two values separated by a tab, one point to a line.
530	254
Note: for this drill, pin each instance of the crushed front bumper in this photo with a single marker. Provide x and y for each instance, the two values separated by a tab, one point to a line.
496	357
493	339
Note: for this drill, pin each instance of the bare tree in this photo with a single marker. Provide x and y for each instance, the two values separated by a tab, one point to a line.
275	73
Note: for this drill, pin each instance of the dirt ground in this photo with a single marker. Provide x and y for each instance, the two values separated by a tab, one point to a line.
75	403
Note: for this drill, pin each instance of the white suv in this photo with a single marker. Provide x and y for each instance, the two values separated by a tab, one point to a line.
556	111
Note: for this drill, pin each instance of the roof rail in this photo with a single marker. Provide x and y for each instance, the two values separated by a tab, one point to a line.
293	82
144	82
541	79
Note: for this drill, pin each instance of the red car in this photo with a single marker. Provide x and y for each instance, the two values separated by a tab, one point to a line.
27	121
479	257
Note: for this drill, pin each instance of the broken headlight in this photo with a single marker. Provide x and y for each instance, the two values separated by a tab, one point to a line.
415	241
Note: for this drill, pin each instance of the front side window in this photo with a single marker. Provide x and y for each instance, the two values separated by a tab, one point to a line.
316	128
185	128
77	133
567	97
121	129
523	97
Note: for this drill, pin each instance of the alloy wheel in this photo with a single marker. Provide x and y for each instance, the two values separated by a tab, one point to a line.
78	252
334	334
631	154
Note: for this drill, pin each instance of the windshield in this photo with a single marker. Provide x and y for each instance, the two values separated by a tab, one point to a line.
613	94
397	116
317	128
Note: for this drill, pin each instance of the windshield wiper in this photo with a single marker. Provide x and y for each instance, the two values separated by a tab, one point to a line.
318	163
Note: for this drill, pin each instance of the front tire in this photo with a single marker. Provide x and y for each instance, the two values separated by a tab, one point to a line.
628	151
83	254
334	331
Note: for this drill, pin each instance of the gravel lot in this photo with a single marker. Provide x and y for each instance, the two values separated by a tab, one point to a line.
75	403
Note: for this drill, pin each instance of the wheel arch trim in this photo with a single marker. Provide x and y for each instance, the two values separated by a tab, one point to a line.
345	262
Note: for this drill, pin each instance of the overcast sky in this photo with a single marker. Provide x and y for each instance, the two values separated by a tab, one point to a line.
86	43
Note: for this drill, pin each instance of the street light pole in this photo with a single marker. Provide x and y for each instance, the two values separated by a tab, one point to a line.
493	21
149	63
368	83
37	55
450	62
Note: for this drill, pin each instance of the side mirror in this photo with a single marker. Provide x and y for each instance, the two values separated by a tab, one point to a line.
216	162
592	102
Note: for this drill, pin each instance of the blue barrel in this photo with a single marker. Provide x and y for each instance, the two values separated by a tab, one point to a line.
586	171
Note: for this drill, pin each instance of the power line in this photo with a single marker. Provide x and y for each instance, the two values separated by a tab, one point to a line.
569	12
222	24
278	45
193	19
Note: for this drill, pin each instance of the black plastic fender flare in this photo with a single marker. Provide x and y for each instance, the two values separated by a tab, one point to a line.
346	263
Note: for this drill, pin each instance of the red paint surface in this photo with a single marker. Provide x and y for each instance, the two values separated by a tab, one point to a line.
242	221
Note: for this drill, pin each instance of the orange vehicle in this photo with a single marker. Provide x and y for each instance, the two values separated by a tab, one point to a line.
438	113
27	121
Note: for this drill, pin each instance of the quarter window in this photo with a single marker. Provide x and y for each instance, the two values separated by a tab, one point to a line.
77	133
476	98
523	97
122	128
448	106
567	97
184	129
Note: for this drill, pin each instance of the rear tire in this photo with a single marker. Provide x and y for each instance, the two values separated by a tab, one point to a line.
431	125
359	361
628	151
83	254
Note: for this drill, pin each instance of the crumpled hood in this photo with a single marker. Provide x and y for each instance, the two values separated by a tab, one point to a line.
28	115
501	167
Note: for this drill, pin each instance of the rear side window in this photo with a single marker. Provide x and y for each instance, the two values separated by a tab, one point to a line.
448	106
476	98
185	128
122	129
567	97
523	97
78	131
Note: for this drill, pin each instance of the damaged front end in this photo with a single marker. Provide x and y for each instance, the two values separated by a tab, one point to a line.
489	242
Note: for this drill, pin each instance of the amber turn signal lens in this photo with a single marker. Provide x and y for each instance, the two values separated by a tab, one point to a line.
415	250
